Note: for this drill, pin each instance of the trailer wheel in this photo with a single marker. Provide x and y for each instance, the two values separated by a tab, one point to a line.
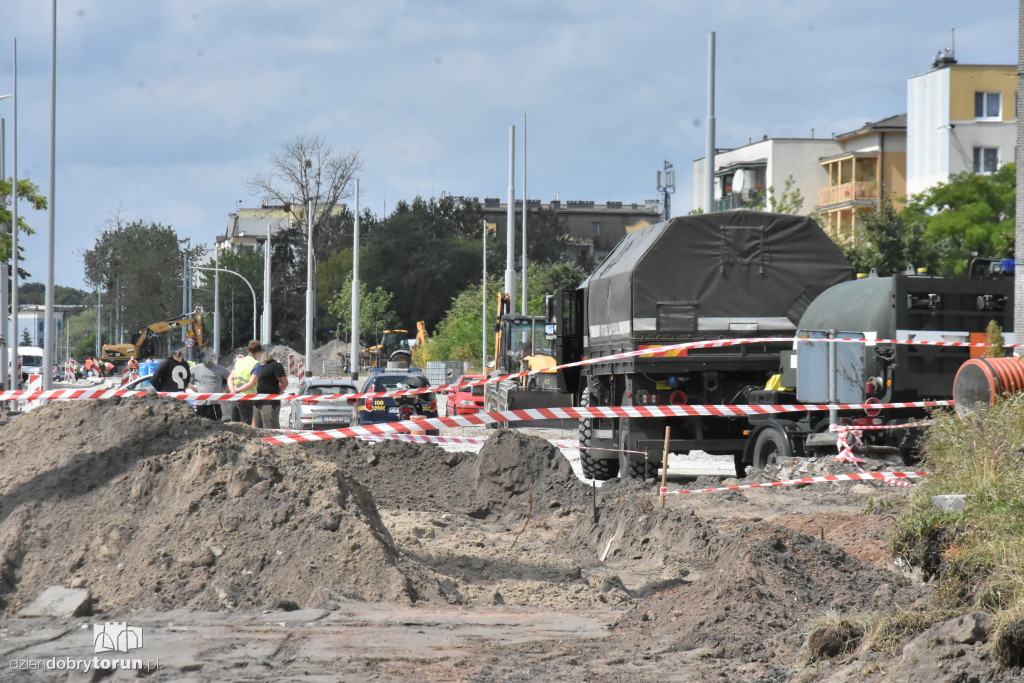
772	446
593	468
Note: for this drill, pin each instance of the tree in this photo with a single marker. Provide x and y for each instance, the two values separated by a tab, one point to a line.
34	293
791	201
424	253
27	192
375	314
307	171
138	268
26	338
888	242
970	215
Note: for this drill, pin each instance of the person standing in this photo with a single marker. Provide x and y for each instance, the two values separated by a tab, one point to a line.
243	378
273	380
173	373
209	377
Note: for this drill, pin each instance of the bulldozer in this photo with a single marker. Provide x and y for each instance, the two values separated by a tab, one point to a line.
146	342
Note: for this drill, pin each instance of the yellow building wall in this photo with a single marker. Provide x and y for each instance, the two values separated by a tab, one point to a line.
964	81
895	175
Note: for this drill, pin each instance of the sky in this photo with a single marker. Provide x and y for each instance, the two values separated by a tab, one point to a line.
165	108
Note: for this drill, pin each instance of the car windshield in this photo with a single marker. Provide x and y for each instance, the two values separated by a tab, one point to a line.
399	383
329	389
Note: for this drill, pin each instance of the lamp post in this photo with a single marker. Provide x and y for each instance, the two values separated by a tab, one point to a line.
254	309
3	266
309	281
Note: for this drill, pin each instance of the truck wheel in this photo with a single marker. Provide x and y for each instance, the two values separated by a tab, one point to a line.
772	446
593	468
644	469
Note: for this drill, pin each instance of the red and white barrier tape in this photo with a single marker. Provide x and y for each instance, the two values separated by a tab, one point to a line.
886	477
483	419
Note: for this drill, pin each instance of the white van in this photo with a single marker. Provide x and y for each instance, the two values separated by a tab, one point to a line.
31	361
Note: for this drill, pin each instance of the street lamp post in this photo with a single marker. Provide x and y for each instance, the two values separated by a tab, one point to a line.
309	283
4	331
254	309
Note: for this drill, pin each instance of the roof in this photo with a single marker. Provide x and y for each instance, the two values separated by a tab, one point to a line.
895	122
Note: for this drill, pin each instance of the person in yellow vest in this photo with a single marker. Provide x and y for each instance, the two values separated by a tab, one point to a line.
243	378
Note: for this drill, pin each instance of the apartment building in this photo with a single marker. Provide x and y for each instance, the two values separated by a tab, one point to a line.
960	117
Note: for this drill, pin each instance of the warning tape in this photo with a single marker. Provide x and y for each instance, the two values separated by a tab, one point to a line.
887	477
524	415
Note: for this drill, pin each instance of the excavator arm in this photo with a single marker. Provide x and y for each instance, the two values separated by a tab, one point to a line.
196	331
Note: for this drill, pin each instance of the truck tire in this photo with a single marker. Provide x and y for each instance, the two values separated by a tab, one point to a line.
643	468
593	468
771	446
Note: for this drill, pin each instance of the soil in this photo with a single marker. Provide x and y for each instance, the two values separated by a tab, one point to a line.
391	560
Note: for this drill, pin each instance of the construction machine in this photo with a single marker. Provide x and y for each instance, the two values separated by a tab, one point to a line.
145	343
393	349
522	344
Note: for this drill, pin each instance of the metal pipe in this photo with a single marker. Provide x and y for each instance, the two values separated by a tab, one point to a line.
510	220
524	215
15	375
216	300
309	286
483	345
709	152
49	336
354	348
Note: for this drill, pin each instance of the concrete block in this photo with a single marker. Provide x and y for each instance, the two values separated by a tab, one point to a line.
58	601
950	502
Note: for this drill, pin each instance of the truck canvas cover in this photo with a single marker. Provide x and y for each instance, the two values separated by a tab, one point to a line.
737	272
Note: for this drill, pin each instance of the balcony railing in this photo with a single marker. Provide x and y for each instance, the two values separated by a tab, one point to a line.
739	200
848	192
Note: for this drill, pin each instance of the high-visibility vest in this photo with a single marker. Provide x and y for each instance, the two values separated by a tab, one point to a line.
243	373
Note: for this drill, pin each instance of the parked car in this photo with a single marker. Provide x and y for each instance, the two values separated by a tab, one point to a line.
320	414
466	400
141	384
395	408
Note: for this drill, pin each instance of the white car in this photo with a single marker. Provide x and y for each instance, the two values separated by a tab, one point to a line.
312	414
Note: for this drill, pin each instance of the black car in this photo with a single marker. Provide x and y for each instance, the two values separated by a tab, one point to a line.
395	408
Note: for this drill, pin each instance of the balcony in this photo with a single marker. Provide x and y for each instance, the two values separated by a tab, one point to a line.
739	200
860	191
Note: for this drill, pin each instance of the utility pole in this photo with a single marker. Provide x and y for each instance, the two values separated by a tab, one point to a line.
667	185
353	352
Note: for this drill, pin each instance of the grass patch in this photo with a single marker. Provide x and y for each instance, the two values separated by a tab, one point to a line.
976	555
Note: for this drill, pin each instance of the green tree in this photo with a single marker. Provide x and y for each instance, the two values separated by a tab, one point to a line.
889	242
970	215
424	253
375	314
459	335
138	268
28	192
34	294
790	201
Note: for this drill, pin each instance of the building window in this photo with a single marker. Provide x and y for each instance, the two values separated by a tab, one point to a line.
986	159
987	106
597	228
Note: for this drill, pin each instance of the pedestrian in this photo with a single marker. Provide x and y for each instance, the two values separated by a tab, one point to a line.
173	373
243	378
209	377
273	380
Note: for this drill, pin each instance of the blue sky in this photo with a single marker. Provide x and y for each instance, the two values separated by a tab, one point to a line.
165	107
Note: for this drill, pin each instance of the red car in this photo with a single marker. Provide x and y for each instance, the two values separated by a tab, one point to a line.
466	400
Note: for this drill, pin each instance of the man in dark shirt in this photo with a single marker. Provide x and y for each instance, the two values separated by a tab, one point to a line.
173	373
273	380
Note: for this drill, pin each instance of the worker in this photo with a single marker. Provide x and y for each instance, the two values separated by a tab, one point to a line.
524	351
209	377
273	380
133	364
173	373
243	378
88	367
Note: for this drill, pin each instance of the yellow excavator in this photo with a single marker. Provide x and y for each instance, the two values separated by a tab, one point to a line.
395	347
145	344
